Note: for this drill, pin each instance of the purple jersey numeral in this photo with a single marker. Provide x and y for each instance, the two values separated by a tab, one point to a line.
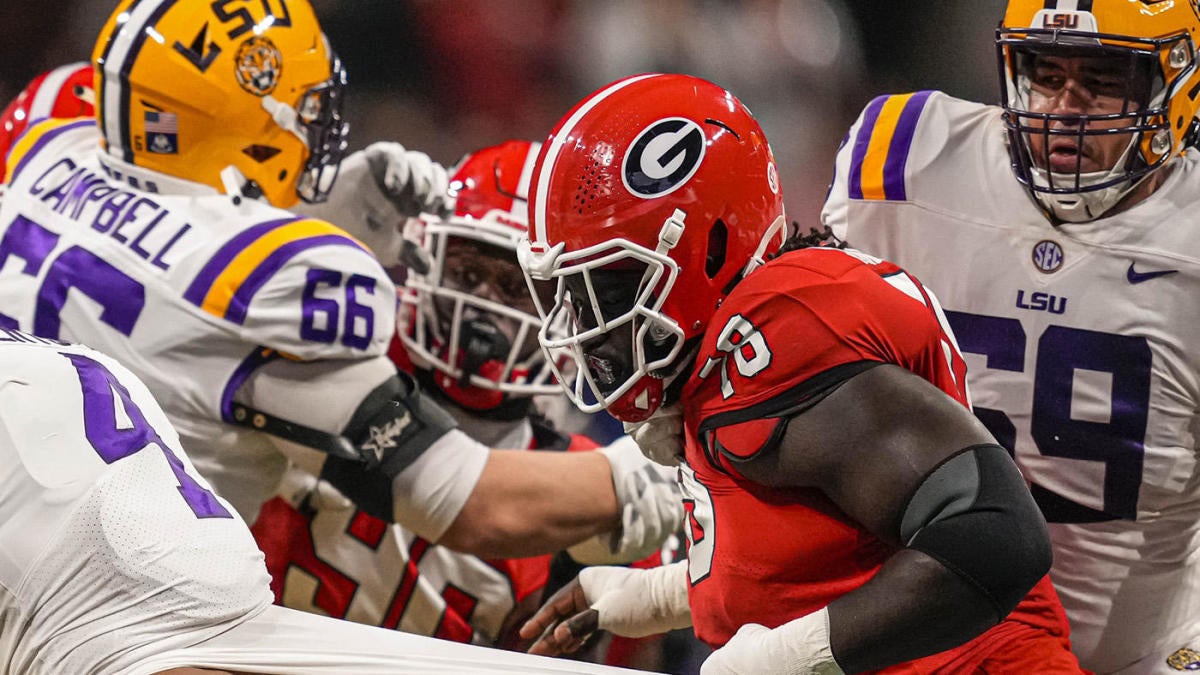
357	315
120	297
113	442
30	242
1061	351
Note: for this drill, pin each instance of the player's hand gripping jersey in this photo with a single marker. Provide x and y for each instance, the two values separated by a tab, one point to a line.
1081	352
785	337
192	290
112	546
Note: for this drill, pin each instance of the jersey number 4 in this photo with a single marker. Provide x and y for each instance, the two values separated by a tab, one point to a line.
116	428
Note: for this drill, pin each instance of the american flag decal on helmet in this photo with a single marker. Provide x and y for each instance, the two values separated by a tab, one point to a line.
162	133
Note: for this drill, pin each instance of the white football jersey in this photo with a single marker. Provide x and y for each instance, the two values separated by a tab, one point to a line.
116	557
1076	339
112	547
190	291
283	641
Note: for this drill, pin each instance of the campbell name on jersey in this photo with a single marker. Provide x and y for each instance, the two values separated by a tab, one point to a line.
191	291
1091	325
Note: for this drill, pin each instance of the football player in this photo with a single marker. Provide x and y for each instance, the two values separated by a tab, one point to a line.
468	331
119	558
1071	290
156	233
845	511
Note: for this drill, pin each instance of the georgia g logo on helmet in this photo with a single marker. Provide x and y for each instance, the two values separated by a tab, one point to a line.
663	157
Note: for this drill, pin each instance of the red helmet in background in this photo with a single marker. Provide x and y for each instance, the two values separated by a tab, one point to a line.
670	179
65	92
470	320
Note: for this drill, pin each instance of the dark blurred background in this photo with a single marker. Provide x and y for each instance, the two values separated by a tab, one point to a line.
449	76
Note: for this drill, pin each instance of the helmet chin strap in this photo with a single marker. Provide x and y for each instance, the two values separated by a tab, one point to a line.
678	372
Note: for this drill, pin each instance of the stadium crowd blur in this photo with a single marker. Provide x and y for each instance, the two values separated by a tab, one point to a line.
450	76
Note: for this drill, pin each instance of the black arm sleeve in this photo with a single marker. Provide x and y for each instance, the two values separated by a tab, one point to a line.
974	514
392	426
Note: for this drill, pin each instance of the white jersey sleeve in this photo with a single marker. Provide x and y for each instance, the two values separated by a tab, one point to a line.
111	544
300	286
894	142
190	290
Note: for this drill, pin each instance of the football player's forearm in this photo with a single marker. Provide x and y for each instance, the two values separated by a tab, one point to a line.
528	503
913	607
976	544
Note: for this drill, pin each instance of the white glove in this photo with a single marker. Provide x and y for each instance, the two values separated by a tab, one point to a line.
638	602
651	508
661	436
378	189
798	647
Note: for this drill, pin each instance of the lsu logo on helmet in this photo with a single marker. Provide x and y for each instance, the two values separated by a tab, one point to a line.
258	64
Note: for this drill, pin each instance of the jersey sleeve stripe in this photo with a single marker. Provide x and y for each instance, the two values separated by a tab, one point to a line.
906	128
200	286
35	138
259	357
861	142
883	145
240	302
228	282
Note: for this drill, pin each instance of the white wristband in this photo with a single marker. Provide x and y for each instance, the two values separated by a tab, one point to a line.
798	647
638	602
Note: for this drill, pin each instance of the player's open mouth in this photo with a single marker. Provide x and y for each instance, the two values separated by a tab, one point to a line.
1066	156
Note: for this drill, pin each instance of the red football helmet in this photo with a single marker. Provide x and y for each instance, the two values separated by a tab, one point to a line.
470	319
66	91
667	182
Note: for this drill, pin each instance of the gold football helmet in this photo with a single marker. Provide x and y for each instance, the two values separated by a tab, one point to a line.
1150	48
234	94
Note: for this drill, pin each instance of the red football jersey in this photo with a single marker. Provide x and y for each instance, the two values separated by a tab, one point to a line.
787	334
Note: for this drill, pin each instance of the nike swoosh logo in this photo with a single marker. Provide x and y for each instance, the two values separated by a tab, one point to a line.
1136	277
